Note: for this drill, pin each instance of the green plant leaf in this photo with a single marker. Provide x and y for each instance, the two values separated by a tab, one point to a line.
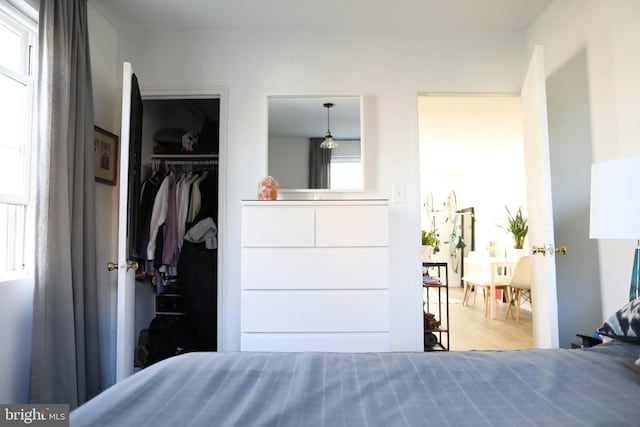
517	226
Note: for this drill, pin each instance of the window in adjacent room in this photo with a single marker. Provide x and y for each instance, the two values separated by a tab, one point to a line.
346	165
346	170
17	53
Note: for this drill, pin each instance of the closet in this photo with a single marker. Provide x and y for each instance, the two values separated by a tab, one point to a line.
173	228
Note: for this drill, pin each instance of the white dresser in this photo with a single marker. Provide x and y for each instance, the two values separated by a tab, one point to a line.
315	276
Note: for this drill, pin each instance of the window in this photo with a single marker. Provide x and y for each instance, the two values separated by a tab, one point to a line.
17	42
346	170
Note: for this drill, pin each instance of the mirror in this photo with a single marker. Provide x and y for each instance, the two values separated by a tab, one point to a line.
297	127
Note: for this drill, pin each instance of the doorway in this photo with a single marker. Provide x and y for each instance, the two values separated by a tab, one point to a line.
180	144
472	146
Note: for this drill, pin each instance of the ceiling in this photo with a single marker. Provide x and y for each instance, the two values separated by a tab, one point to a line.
359	14
304	117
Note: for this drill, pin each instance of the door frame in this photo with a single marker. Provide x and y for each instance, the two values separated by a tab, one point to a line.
535	127
536	336
221	93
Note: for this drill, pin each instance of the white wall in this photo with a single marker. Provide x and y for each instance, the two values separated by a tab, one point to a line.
16	318
609	31
388	69
106	96
289	161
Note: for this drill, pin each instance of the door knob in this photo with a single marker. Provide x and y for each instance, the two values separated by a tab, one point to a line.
548	250
535	250
130	266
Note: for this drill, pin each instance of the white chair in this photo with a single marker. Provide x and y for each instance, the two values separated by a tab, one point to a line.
472	274
477	275
519	285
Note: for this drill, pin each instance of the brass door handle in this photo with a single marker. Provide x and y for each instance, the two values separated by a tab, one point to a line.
542	250
130	266
548	250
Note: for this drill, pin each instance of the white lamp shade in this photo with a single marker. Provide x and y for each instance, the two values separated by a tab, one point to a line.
615	199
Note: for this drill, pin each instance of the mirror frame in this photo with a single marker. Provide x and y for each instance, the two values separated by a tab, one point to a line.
320	98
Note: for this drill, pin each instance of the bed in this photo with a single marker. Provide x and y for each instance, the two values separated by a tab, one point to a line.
598	386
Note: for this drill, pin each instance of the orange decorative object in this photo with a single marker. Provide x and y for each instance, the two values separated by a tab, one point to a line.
268	188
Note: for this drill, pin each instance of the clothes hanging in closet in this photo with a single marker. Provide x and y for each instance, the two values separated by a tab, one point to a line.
179	234
148	191
170	204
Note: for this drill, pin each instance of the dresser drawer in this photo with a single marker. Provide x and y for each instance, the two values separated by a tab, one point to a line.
345	341
315	311
352	226
278	226
315	268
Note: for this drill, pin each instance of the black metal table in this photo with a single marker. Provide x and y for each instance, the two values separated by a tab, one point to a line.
433	335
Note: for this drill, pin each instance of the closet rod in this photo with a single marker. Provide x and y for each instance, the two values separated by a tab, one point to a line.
192	157
187	162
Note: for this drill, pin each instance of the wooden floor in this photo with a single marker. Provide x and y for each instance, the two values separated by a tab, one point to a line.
470	330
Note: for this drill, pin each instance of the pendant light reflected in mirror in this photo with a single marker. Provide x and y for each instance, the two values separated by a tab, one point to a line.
328	142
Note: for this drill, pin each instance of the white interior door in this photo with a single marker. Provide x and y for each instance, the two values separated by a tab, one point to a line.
126	275
539	205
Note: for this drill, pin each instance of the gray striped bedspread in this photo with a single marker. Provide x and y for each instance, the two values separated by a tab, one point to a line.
592	387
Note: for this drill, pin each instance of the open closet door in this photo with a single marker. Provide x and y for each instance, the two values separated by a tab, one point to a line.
129	179
539	208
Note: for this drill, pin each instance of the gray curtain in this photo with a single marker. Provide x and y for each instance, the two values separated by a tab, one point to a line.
319	161
66	355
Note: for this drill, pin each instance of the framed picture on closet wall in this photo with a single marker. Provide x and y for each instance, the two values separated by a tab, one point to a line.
106	155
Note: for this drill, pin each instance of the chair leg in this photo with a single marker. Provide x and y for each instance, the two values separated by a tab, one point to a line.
512	301
487	301
509	302
466	294
518	306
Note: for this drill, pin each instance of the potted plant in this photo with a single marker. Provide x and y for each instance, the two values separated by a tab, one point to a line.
517	226
430	243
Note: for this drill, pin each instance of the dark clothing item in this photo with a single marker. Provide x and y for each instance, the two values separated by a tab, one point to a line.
209	199
157	255
168	336
197	267
209	141
149	190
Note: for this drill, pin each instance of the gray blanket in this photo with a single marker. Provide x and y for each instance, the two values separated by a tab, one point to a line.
594	387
